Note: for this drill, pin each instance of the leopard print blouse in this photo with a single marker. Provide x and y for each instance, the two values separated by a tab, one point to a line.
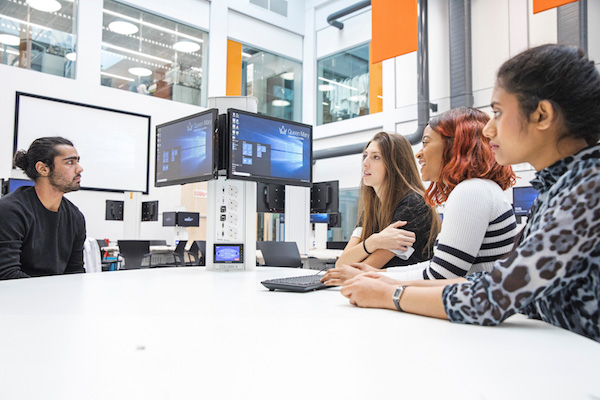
554	273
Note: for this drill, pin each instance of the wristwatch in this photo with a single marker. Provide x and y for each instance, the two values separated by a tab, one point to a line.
397	295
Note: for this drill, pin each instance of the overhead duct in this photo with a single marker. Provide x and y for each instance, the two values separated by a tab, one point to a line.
572	24
461	72
333	18
423	89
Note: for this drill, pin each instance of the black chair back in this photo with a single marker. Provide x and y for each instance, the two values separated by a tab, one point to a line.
158	243
198	249
336	245
133	251
280	254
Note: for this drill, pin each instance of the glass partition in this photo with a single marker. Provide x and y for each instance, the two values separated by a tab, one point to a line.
152	55
276	81
39	35
343	85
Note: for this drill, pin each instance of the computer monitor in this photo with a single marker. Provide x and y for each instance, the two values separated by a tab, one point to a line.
185	150
319	218
267	149
188	218
12	184
523	198
270	197
325	197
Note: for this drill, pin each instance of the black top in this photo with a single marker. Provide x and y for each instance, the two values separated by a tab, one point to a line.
37	242
413	209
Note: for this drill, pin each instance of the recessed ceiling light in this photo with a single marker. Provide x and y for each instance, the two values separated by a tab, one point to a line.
44	5
280	103
288	76
10	40
138	71
325	88
72	56
123	27
186	46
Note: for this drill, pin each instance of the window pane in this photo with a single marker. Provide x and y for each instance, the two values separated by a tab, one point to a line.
275	81
343	85
151	55
42	38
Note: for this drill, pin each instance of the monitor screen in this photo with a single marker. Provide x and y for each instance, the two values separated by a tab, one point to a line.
169	218
188	218
523	198
269	150
229	253
185	149
14	184
319	218
325	197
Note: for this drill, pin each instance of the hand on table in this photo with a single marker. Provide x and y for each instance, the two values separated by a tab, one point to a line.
339	275
371	292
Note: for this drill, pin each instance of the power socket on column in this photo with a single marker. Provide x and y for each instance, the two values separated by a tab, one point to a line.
231	214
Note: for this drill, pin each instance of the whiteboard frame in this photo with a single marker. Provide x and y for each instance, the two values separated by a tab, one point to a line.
108	178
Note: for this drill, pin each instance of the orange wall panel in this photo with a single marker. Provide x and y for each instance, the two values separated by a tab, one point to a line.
543	5
394	28
375	86
234	68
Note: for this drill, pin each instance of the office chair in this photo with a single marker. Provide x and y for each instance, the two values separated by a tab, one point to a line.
181	251
158	243
198	248
280	254
134	251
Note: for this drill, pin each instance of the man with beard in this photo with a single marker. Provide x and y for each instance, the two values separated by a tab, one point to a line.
41	232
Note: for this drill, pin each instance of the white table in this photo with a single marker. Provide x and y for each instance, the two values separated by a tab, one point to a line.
186	333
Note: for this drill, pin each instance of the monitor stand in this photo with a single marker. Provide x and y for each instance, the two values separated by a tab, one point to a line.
231	219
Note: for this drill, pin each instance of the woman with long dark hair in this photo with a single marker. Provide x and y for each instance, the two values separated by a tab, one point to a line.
391	197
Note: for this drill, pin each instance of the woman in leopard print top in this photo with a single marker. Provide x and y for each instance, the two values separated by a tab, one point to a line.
546	107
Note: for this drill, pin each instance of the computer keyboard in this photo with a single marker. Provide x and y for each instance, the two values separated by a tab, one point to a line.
304	283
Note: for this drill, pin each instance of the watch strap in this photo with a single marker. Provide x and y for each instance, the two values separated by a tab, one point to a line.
397	296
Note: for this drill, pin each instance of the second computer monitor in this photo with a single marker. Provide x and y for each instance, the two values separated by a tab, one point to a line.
185	149
269	150
523	198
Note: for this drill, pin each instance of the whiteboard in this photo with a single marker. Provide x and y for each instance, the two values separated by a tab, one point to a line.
114	145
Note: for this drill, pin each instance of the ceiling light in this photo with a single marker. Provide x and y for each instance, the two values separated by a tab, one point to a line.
10	40
280	103
123	27
117	76
72	56
325	88
288	76
358	97
44	5
138	71
186	46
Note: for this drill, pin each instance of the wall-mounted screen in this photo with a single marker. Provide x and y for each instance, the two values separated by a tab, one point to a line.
269	150
185	149
114	145
523	198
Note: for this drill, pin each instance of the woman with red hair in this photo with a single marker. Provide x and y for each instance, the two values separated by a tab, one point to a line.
479	225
